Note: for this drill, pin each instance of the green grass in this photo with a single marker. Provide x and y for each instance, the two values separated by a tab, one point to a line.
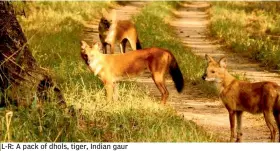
53	30
249	28
155	32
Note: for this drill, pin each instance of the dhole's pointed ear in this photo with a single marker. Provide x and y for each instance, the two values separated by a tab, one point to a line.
209	58
84	45
223	62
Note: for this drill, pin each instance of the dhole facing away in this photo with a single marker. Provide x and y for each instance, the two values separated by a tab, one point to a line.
113	67
113	31
239	96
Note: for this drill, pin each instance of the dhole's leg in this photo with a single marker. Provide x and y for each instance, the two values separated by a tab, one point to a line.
159	81
132	42
109	91
123	45
232	124
112	48
277	119
104	45
116	92
268	116
239	125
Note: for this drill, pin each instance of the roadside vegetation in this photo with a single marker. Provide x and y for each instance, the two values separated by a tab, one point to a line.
155	32
251	29
53	30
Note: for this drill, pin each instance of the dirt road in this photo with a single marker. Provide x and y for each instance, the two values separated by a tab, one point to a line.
191	26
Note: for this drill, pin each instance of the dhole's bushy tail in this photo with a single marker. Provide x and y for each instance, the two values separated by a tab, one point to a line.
176	75
138	45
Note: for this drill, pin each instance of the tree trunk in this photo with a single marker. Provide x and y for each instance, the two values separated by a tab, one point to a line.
22	80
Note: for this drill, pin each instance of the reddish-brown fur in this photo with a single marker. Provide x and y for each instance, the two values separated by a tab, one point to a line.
113	31
239	96
119	66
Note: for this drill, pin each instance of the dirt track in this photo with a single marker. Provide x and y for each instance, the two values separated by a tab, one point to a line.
191	26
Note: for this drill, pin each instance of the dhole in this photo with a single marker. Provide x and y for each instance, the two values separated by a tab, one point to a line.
239	96
113	31
113	67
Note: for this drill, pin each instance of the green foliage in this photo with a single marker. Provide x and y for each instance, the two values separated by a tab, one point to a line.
53	31
250	28
134	124
155	32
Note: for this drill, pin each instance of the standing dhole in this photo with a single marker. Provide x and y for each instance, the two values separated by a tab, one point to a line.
113	31
239	96
113	67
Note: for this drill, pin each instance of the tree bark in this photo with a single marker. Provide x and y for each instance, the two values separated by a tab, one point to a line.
22	80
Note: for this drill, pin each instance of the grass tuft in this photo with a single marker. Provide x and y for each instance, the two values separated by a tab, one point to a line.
53	30
249	28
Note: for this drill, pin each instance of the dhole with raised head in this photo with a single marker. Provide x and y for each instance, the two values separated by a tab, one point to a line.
239	96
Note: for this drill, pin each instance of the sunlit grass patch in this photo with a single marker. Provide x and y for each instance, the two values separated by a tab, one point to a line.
53	30
249	28
134	118
154	31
